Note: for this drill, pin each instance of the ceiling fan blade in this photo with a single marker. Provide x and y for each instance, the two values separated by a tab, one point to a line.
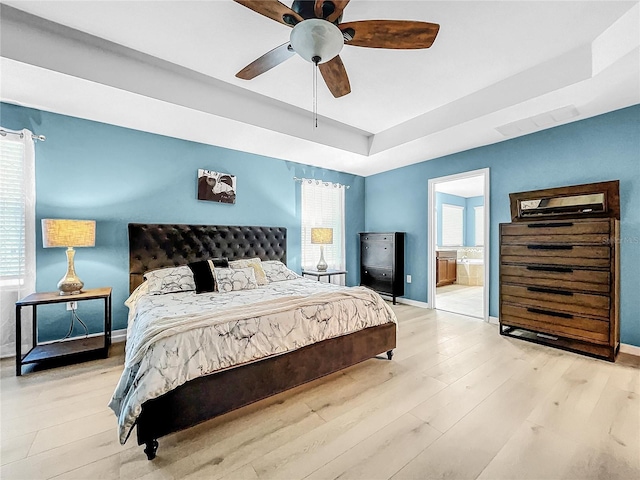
400	34
266	62
273	9
335	76
339	4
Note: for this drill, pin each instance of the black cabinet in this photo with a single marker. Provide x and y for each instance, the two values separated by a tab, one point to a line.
382	262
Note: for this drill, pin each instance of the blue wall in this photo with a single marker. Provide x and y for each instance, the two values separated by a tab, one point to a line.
91	170
469	225
606	147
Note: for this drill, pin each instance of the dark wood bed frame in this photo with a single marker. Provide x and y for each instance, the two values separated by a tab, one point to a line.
154	246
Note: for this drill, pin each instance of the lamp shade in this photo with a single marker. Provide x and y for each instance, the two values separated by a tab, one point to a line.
316	38
323	236
68	233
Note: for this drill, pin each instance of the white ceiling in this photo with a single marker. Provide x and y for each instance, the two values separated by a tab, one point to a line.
496	70
463	187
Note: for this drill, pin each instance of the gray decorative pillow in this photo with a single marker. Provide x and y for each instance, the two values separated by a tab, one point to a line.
170	280
276	271
229	279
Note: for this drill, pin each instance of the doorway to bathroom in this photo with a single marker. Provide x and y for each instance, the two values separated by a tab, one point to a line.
458	243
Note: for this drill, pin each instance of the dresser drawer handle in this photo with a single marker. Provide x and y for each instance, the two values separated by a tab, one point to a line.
550	290
550	225
550	247
550	269
547	312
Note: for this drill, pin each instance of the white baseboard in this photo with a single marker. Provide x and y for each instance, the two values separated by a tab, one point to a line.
118	335
494	320
407	301
630	349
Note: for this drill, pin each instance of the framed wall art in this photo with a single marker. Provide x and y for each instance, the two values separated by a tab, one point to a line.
216	186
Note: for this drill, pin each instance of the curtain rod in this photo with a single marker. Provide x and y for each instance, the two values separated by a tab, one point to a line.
4	133
323	182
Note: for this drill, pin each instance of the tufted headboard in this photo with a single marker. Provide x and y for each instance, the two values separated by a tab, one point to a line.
153	246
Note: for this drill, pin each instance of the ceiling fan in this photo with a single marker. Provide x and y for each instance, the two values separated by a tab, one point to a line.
318	37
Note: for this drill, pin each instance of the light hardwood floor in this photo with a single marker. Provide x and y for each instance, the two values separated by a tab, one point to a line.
458	401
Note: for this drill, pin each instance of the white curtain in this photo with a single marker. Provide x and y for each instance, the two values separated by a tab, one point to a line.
17	226
323	206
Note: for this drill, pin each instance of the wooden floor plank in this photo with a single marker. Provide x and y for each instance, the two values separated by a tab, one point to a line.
532	453
466	449
303	455
457	401
382	454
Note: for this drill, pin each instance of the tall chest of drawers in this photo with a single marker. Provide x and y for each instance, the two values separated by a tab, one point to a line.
559	282
382	262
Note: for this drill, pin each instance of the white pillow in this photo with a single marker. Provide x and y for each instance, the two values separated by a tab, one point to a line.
229	279
169	280
276	271
254	263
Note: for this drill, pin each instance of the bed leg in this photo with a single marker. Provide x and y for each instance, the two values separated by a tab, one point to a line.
151	447
390	354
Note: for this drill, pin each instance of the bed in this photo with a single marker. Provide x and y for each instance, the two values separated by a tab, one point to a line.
347	333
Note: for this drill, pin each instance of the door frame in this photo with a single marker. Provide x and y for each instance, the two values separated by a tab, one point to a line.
432	231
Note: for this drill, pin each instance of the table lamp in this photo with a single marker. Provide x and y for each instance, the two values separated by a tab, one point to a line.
69	233
322	236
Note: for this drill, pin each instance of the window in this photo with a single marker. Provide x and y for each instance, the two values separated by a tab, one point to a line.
12	211
452	225
323	206
479	223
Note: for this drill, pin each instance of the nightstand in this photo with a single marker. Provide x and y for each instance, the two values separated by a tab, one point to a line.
323	273
94	346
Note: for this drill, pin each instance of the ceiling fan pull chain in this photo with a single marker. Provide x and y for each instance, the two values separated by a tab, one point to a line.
315	90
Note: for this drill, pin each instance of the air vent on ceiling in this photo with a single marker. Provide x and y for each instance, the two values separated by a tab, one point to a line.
537	122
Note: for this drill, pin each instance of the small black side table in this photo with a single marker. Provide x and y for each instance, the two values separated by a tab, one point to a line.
324	273
48	351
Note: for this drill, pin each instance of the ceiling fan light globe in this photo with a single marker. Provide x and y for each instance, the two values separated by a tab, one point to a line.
316	38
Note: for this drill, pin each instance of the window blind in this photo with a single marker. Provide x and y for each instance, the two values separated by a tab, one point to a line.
479	223
12	210
322	206
452	225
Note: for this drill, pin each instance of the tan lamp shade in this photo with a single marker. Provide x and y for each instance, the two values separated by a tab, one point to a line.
68	233
322	236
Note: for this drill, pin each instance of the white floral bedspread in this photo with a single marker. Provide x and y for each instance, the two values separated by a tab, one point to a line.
183	356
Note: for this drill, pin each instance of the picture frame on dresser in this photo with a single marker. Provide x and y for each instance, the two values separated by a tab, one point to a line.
560	268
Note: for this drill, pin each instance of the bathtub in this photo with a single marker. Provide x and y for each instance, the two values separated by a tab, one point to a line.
470	271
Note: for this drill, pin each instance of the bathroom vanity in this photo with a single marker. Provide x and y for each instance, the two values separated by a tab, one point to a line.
559	268
446	267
